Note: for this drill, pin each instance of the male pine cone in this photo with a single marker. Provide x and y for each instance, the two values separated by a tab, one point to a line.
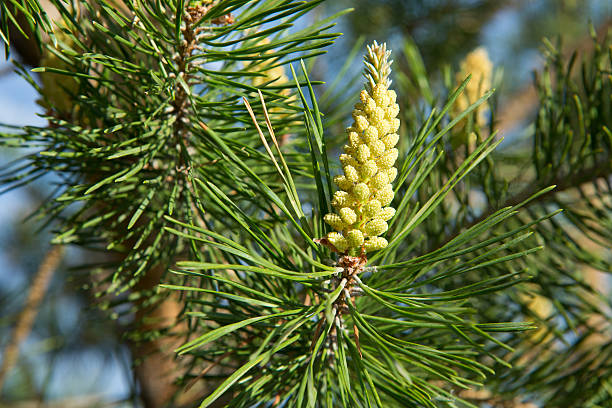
478	64
361	204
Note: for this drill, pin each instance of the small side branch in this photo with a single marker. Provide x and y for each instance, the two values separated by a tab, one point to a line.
563	183
25	320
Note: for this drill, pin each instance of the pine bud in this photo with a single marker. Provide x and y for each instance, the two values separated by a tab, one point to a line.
361	191
370	135
363	153
390	140
57	91
347	215
376	227
380	180
334	221
387	213
354	238
342	182
375	243
368	169
372	208
351	174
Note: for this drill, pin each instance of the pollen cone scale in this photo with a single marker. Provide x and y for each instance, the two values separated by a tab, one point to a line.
365	192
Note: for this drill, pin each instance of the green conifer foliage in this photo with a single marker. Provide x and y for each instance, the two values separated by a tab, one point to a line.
182	148
151	100
349	330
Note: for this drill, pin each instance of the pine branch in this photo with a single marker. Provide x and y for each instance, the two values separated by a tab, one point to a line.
25	320
561	183
520	106
161	164
141	99
307	342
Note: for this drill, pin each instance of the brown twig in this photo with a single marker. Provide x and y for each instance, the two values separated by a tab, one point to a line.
38	288
215	363
561	183
351	267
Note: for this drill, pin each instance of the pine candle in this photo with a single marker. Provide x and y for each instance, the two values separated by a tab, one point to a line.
478	64
362	203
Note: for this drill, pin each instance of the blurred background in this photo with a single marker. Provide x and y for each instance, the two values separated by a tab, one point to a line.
74	356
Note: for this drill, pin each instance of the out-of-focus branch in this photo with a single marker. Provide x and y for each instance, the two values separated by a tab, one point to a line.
28	50
562	183
38	288
485	396
6	70
86	401
519	108
522	105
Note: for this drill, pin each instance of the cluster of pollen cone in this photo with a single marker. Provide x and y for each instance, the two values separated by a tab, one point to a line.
362	203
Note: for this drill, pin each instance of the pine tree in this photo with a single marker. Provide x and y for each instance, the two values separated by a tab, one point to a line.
427	265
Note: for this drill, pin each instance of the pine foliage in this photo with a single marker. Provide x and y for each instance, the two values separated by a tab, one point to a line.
147	86
181	145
